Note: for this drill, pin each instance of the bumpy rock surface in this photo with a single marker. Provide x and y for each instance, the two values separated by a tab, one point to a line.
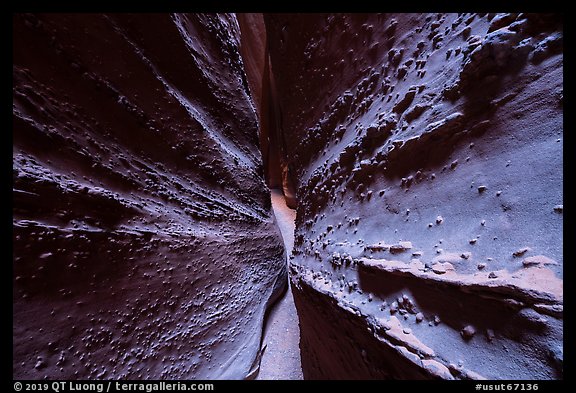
426	150
144	245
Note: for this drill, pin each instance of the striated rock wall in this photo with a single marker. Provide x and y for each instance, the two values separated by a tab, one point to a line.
144	245
427	155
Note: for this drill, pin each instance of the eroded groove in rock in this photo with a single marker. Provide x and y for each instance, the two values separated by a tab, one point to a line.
144	245
427	152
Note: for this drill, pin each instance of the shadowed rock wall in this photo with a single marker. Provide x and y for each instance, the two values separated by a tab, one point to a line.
144	245
426	155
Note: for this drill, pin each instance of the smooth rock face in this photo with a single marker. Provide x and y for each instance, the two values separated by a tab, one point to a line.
144	245
444	131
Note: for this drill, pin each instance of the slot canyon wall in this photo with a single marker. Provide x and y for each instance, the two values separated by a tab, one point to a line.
423	153
144	243
255	49
426	151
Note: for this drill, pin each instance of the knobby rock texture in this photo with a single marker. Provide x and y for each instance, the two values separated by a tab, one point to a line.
423	153
144	244
426	153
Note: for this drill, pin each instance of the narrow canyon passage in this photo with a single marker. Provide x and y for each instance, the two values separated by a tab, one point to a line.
423	153
281	359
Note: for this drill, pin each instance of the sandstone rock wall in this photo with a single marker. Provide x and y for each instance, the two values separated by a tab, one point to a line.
424	153
262	81
144	245
427	155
